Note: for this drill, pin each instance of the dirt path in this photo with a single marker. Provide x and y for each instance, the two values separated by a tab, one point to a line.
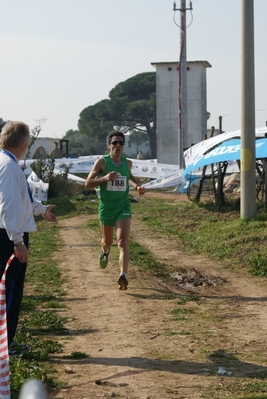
135	346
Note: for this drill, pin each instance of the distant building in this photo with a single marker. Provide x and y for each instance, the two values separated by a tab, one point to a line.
167	107
47	143
42	146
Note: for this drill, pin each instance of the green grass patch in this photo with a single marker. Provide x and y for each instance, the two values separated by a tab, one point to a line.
237	388
93	224
47	322
258	265
142	256
165	297
180	332
183	301
205	229
40	329
181	314
78	203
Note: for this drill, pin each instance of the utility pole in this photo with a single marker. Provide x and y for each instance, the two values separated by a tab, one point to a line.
182	83
248	208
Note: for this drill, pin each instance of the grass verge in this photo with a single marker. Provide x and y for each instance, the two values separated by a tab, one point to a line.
204	229
39	324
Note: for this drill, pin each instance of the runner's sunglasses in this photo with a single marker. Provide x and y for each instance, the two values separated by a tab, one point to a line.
115	142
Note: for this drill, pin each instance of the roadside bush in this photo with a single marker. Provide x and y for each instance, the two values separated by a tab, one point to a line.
60	185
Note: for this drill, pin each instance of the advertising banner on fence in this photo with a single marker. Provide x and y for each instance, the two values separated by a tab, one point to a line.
198	150
227	151
38	188
142	168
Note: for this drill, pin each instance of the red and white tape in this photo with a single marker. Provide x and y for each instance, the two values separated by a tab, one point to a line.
4	357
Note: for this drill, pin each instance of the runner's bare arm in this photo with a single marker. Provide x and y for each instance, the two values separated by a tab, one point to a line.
133	182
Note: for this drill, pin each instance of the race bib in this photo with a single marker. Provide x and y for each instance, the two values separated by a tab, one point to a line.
118	184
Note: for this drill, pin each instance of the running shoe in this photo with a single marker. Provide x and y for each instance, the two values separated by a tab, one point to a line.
103	260
123	282
14	353
17	350
19	347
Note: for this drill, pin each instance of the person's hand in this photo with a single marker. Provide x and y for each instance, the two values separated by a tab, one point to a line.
112	176
49	215
21	253
140	190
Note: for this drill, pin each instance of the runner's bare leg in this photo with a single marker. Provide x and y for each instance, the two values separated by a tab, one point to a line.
122	234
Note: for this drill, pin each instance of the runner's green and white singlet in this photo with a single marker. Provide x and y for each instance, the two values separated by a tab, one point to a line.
117	190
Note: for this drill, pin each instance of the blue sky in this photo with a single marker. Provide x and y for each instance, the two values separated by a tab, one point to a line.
60	56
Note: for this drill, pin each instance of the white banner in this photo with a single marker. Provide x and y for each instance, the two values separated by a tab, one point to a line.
38	188
142	168
173	180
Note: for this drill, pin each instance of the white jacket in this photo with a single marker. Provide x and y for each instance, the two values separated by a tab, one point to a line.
16	207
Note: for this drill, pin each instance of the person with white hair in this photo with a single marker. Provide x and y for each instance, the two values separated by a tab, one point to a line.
17	210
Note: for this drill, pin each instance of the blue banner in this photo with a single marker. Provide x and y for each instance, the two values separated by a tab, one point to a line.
227	151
